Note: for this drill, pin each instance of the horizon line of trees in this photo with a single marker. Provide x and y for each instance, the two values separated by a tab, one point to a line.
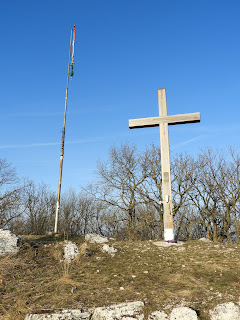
124	201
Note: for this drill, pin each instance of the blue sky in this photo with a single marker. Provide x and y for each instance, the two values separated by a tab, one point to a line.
124	52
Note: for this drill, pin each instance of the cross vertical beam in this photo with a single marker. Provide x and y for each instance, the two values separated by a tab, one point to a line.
165	168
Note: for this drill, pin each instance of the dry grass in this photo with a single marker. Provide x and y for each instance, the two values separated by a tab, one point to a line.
196	274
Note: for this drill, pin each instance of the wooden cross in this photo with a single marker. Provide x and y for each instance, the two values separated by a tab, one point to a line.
163	121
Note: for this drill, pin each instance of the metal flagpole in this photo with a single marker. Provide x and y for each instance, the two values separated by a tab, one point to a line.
70	65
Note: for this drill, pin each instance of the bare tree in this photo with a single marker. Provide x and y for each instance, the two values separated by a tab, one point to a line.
185	173
234	190
39	204
216	194
10	193
120	178
80	213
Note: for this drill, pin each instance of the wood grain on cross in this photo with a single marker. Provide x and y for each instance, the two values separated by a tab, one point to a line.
163	121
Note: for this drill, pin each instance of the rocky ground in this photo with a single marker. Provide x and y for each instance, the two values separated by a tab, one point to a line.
47	275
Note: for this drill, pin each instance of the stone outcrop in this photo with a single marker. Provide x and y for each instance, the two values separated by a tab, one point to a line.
204	240
166	244
134	311
110	250
225	311
70	251
8	243
61	315
95	238
183	313
124	311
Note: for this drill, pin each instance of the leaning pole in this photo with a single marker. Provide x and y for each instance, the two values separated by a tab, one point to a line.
70	73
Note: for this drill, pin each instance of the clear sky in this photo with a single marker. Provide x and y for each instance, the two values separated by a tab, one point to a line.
124	51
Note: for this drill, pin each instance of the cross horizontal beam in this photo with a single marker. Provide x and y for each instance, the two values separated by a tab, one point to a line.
171	120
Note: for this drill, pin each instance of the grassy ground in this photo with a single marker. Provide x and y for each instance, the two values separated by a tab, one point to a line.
199	275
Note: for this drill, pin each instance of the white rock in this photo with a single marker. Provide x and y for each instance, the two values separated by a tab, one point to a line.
70	251
123	311
166	244
204	240
95	238
8	242
183	313
158	315
225	311
63	315
108	249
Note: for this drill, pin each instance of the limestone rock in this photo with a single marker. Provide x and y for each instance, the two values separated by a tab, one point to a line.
166	244
108	249
69	314
204	240
95	238
225	311
123	311
183	313
8	242
70	251
158	315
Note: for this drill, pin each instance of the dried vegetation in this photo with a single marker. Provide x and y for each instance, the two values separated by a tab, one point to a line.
196	274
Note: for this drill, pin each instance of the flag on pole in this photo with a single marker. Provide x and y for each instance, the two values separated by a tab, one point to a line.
71	73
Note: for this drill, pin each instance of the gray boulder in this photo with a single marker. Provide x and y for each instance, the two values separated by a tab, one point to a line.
225	311
110	250
204	240
95	238
123	311
165	244
8	242
183	313
70	314
70	251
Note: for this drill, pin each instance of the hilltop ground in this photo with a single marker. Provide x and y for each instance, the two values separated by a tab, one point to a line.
197	274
